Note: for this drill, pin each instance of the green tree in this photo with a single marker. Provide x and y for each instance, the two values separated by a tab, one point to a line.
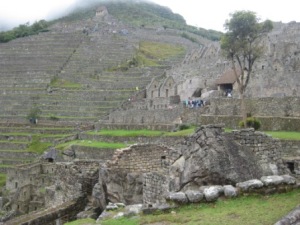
242	45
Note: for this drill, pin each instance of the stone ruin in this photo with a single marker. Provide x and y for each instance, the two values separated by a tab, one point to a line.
156	175
148	173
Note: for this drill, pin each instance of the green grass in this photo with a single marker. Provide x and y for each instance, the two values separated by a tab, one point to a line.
61	83
151	54
128	133
81	222
143	132
246	210
285	135
2	179
185	132
89	143
37	146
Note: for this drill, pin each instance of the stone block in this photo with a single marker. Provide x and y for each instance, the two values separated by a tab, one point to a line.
230	191
272	180
250	184
194	196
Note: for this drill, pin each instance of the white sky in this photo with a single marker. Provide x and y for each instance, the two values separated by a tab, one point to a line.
209	14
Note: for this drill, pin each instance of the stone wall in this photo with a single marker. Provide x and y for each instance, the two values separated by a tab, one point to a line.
129	126
141	159
162	116
52	216
29	175
155	187
267	123
277	107
267	149
84	152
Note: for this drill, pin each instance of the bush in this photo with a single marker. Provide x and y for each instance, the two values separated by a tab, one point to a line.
184	126
251	122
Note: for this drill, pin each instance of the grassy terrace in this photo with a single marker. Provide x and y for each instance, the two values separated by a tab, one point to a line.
246	210
284	135
2	179
89	143
139	133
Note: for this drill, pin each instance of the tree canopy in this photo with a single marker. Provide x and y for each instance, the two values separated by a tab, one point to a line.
24	30
242	45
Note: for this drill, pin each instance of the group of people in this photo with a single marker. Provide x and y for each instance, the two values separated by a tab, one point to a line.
194	103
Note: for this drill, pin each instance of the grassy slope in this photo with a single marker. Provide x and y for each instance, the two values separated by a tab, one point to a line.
246	210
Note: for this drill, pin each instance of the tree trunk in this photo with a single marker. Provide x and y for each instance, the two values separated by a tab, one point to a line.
243	109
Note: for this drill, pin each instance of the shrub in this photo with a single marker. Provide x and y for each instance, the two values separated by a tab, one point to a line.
251	122
33	114
184	126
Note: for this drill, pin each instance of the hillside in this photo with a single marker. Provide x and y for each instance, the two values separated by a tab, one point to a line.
86	65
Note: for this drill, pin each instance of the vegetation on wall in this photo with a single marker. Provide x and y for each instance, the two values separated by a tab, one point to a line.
151	54
62	83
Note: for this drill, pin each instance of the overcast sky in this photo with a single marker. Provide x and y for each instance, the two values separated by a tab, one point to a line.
209	14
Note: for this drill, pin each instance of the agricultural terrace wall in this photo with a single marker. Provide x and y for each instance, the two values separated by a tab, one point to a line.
275	107
163	116
84	152
129	126
267	123
166	140
155	103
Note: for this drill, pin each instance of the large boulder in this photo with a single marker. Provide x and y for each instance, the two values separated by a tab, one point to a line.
210	157
124	187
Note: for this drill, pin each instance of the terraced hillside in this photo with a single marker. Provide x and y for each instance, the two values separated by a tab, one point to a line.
80	70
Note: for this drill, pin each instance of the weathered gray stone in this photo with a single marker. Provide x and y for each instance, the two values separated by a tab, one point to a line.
178	197
99	198
230	191
211	193
105	214
293	218
272	180
212	160
287	179
119	215
250	184
111	206
194	196
132	210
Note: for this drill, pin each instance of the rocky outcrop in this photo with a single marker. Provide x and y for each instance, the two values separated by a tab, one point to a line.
210	157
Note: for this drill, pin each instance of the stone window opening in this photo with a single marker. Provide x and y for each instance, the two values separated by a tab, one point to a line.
291	167
262	67
16	185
